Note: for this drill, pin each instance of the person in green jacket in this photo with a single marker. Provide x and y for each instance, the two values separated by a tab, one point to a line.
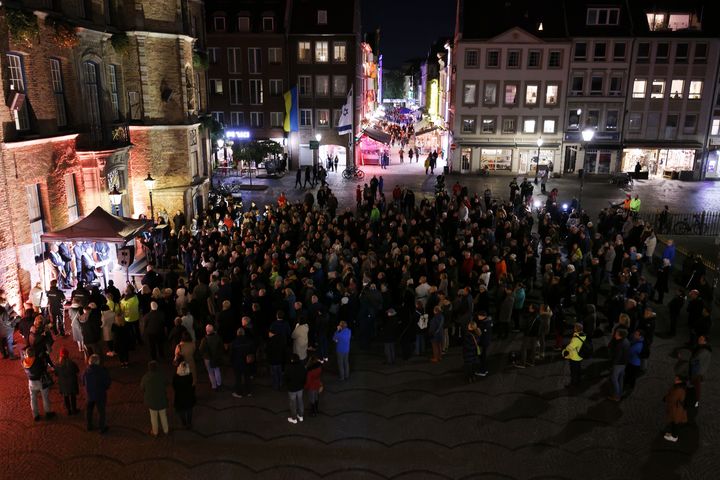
572	354
130	307
154	385
635	204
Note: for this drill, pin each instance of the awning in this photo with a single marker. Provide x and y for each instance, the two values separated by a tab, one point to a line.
99	226
506	145
663	144
378	135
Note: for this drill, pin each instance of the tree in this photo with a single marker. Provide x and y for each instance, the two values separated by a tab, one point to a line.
255	151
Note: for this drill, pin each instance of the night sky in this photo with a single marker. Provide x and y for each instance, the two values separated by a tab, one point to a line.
408	27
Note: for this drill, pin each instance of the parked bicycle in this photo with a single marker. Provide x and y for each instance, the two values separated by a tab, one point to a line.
353	171
683	227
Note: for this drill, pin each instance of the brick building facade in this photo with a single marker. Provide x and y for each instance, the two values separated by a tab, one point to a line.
98	94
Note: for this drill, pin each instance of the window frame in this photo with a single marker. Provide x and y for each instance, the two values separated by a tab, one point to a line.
516	102
618	91
682	59
17	82
58	86
510	55
603	57
475	51
631	117
308	114
555	53
212	86
326	111
579	58
254	55
275	56
508	131
531	52
273	89
493	123
555	125
322	17
692	129
309	90
468	118
557	94
326	45
300	45
259	94
704	57
493	51
637	93
486	84
526	119
607	127
215	23
643	57
675	94
272	24
573	91
594	92
237	119
337	92
662	58
698	95
339	47
318	93
615	56
234	58
235	84
538	89
243	24
36	217
277	119
257	119
466	84
73	204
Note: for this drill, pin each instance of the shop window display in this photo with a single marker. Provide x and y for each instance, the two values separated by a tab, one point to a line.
496	159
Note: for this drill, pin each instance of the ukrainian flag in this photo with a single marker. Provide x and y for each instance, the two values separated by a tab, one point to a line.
291	110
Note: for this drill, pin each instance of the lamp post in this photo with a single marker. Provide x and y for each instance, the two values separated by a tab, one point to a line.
115	199
318	137
150	184
537	164
587	136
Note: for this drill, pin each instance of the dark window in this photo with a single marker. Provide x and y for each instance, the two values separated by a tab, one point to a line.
619	51
661	52
681	52
580	51
554	59
600	51
643	52
493	58
700	52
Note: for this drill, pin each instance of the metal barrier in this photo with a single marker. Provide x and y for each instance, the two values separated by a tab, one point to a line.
699	223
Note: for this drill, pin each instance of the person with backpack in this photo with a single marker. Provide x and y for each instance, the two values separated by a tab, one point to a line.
573	353
675	412
620	355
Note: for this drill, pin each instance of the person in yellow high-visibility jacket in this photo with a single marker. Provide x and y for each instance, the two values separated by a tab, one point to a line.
635	204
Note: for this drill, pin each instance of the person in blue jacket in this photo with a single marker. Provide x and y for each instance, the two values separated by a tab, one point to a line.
97	382
637	344
342	349
669	252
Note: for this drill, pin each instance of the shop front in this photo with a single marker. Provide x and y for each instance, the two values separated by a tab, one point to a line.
529	163
597	157
475	159
712	166
665	162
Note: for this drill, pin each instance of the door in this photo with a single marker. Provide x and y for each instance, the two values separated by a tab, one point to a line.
570	159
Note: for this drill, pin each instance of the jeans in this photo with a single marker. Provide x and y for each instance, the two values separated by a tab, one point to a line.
296	404
323	345
154	414
419	344
214	374
575	372
276	374
389	353
242	381
343	365
185	415
617	378
35	387
59	322
10	344
91	404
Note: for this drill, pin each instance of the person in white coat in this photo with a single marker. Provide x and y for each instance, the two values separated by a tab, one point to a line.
650	244
300	339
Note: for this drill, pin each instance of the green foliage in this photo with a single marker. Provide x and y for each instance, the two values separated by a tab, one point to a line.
393	84
120	43
201	61
65	34
207	122
23	26
256	150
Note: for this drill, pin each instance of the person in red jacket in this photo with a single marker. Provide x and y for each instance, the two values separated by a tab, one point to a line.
313	384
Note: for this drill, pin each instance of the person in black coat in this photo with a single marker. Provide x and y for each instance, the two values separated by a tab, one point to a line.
485	325
663	277
242	358
184	393
97	382
154	330
123	340
67	375
471	351
91	327
390	330
275	351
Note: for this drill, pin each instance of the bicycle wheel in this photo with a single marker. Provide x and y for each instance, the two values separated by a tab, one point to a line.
359	174
681	228
347	174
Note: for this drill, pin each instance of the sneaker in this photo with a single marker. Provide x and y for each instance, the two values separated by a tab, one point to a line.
519	365
481	374
292	420
300	419
237	395
697	404
671	438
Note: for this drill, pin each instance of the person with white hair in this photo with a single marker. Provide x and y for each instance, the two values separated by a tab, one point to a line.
211	349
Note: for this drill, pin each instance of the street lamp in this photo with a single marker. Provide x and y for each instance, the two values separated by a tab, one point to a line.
318	137
537	164
587	136
150	184
115	199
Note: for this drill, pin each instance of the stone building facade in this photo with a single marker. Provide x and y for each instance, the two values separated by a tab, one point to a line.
98	94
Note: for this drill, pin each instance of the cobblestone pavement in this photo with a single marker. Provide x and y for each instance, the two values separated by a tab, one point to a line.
416	420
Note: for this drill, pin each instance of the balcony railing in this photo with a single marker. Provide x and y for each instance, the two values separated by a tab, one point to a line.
105	137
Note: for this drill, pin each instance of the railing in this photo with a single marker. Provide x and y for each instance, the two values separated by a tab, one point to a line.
697	223
109	136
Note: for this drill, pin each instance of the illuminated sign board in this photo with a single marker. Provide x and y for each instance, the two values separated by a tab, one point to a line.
242	134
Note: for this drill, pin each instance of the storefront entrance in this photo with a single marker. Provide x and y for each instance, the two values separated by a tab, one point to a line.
597	161
496	159
529	161
571	153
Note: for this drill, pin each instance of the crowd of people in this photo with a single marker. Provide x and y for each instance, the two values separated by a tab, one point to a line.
270	291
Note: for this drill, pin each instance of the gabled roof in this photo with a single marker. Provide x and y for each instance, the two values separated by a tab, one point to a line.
576	11
489	18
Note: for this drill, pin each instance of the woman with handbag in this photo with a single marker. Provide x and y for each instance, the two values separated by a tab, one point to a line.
39	381
313	384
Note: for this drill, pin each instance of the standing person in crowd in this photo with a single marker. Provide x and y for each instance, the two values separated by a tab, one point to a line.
154	386
123	339
130	306
153	328
67	372
185	352
675	412
620	355
211	349
485	326
471	351
530	337
313	384
184	386
295	377
300	339
699	365
56	308
242	358
39	382
435	331
572	354
97	382
341	337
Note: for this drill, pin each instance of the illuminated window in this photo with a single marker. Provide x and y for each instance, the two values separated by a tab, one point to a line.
529	125
490	94
488	124
304	52
639	88
322	85
551	94
715	128
549	126
470	93
468	124
531	94
321	52
323	117
677	87
657	89
695	91
511	94
339	52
